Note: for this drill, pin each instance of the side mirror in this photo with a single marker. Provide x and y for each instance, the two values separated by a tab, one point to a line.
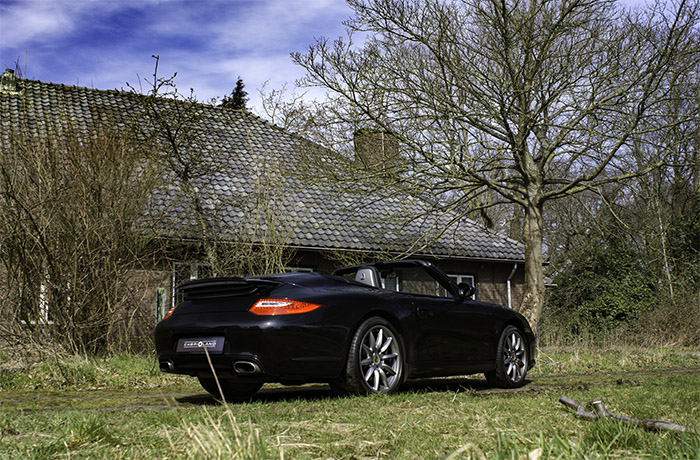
465	290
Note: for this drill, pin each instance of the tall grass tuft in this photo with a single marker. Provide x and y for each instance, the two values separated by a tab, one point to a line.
223	438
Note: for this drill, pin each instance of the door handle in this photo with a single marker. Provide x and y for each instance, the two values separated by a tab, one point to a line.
424	312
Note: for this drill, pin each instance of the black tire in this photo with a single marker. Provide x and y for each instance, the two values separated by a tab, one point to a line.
512	359
233	390
375	360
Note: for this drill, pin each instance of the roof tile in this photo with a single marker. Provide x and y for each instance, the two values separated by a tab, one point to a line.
243	151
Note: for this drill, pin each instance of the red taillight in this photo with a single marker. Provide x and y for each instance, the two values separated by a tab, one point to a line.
272	307
170	312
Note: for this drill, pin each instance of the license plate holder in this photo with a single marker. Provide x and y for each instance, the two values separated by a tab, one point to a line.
197	345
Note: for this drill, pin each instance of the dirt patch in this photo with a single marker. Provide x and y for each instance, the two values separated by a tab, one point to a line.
123	400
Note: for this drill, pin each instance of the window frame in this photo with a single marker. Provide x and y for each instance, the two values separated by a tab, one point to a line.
429	277
195	269
460	278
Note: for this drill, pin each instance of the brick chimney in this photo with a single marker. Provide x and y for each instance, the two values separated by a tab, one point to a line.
8	81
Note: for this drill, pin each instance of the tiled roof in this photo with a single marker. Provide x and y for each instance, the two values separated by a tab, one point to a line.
244	152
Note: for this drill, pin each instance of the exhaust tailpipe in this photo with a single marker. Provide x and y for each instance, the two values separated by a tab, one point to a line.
167	366
246	368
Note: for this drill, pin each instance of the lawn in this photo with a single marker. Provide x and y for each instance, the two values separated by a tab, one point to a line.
122	407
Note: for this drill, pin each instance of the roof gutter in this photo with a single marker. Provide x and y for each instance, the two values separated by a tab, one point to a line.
397	253
412	256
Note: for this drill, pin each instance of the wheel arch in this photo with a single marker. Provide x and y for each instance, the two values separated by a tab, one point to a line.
513	322
391	318
529	335
371	313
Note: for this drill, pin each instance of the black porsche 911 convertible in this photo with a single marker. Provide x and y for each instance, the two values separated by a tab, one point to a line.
364	329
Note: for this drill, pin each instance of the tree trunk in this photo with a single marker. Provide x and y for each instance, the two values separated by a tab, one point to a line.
533	300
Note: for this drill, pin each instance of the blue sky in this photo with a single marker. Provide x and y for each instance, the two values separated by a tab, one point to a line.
209	43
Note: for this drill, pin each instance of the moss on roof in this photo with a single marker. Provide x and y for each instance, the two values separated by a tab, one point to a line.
249	162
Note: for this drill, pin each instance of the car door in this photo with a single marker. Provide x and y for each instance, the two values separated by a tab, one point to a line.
457	333
451	333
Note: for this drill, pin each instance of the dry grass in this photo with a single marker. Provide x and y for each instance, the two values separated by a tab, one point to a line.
458	418
671	324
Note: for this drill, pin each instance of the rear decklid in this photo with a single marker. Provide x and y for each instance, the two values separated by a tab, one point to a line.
221	294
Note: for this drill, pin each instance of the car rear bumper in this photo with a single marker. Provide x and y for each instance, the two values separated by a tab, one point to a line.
262	348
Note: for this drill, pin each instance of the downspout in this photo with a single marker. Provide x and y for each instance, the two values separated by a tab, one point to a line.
512	272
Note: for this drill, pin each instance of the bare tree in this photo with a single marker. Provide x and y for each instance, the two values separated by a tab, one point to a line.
506	101
171	124
258	242
70	197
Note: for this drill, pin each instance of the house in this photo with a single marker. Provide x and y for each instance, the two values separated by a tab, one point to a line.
252	185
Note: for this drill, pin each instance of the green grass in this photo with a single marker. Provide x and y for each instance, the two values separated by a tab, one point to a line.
76	373
118	408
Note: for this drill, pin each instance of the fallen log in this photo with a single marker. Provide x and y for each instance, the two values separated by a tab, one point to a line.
602	412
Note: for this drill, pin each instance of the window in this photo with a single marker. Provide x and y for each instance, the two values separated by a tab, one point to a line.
467	279
413	280
186	271
298	270
43	317
40	315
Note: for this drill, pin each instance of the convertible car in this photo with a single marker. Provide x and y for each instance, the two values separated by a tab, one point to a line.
363	329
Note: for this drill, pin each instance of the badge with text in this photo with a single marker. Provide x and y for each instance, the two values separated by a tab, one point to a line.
213	345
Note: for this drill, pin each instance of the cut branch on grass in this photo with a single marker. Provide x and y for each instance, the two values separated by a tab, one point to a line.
648	424
601	412
581	411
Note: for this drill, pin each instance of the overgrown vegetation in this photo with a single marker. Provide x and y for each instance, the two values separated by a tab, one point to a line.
603	286
627	261
84	240
69	249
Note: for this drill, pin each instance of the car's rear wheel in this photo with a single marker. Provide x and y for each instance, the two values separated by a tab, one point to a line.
233	390
512	359
375	360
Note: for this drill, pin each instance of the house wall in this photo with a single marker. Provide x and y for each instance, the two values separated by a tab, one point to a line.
491	277
134	327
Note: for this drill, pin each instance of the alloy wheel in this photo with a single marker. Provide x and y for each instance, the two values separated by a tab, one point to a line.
515	356
380	360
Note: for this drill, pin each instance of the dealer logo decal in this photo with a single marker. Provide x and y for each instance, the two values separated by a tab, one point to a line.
200	344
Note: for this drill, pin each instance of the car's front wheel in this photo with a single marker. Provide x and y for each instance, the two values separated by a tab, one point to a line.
512	359
375	360
233	390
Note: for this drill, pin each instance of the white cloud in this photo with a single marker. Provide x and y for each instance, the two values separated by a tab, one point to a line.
27	21
41	20
105	43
